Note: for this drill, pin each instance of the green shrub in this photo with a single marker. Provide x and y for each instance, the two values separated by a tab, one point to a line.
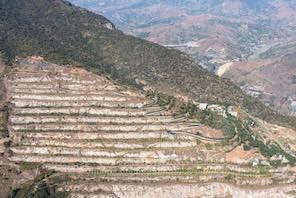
246	147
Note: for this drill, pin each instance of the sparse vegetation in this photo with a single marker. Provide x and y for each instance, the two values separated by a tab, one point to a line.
251	140
39	188
29	166
206	117
162	99
230	126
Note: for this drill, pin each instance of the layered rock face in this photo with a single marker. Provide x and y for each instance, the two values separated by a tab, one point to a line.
113	142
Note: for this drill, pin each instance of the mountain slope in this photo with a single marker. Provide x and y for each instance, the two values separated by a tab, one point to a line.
64	33
220	34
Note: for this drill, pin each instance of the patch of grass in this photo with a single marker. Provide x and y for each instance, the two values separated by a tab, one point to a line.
29	166
228	177
262	170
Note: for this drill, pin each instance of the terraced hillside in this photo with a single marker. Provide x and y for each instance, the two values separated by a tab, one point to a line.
62	116
108	141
